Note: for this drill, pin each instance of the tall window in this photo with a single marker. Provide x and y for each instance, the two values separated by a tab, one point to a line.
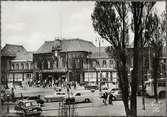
27	65
111	63
39	65
22	66
48	64
97	64
104	63
12	66
17	66
45	64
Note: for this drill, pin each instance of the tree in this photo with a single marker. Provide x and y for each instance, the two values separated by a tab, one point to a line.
155	35
140	11
110	21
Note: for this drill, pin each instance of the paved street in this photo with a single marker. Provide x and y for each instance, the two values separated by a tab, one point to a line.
96	107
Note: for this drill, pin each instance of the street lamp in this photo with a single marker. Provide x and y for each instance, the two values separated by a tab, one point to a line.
99	42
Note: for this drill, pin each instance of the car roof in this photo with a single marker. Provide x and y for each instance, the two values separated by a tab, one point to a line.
25	101
83	91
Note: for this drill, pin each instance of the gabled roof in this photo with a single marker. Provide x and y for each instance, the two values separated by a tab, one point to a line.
67	45
11	50
25	56
77	45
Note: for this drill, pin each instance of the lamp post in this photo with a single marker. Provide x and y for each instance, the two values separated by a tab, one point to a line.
99	42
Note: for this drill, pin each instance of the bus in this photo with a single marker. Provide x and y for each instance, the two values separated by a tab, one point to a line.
161	89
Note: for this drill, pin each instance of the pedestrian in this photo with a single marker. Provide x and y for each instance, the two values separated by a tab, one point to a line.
110	99
74	85
105	95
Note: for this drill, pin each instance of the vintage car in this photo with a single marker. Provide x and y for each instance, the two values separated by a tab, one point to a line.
38	99
27	107
90	86
57	97
117	94
80	96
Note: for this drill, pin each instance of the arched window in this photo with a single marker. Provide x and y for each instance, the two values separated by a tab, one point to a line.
17	66
94	63
12	66
111	63
27	66
22	65
48	64
104	63
97	64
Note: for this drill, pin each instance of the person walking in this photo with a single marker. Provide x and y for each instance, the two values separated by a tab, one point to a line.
105	95
110	99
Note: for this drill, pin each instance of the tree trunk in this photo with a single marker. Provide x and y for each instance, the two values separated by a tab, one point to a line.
155	74
137	8
134	84
123	80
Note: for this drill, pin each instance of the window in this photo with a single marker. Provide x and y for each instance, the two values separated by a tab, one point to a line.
28	104
22	66
94	64
97	63
78	94
39	65
104	63
77	63
17	66
12	66
27	66
48	64
31	66
45	64
111	62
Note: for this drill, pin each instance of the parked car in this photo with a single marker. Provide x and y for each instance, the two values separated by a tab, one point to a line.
57	97
28	107
117	94
38	99
82	96
91	86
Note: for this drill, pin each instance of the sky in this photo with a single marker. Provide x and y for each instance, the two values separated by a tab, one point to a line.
31	23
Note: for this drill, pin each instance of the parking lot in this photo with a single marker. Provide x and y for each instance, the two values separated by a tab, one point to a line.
98	108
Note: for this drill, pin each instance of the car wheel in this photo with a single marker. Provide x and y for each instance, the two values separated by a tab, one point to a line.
87	100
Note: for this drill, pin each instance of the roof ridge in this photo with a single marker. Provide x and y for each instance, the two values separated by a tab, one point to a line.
14	45
73	39
49	41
